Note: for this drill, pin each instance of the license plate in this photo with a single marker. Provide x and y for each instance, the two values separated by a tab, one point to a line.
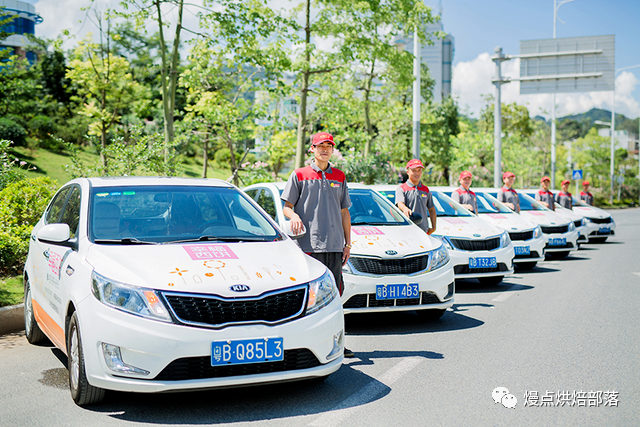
397	291
558	241
483	262
247	351
605	230
522	250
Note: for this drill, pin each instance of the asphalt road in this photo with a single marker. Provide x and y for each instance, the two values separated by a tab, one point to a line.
566	332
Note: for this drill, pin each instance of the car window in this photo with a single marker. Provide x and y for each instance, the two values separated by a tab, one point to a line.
252	193
55	208
446	206
489	204
172	213
71	213
367	207
265	200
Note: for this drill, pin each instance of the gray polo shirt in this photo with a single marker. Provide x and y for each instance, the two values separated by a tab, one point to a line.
465	197
509	195
564	199
318	198
587	197
546	196
418	199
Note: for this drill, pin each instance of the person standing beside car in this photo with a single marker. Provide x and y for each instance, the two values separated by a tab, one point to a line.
544	196
413	196
585	195
316	197
506	193
563	197
463	195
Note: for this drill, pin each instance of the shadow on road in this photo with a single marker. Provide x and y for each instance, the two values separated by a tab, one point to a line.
538	269
368	357
405	323
472	286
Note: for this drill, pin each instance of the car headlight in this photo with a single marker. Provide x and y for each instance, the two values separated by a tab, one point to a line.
321	292
588	220
131	299
439	257
572	226
445	241
583	222
505	240
537	232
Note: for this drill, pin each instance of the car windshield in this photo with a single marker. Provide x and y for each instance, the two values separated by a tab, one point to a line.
527	203
446	206
167	214
489	204
578	202
368	207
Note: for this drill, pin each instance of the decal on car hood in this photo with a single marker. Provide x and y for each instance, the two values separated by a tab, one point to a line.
469	227
404	239
510	222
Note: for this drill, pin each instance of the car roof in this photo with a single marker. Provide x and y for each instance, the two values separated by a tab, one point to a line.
155	181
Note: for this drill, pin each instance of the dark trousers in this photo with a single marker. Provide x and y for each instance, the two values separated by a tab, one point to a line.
333	261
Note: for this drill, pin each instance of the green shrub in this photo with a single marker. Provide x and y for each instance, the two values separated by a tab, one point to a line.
42	128
12	131
14	246
223	158
22	203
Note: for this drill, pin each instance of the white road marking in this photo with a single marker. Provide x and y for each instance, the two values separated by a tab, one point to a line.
637	274
503	296
366	394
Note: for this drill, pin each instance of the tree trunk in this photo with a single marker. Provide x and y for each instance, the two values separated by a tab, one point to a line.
367	117
103	136
302	115
204	157
234	164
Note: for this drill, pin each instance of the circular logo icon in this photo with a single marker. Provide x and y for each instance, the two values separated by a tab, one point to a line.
391	252
476	235
239	288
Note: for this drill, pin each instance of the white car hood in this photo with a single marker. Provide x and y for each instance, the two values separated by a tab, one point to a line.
193	267
469	227
591	212
569	214
546	218
375	240
510	222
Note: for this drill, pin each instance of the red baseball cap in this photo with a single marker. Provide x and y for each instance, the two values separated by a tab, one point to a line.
465	174
414	163
566	181
545	178
586	183
321	137
508	174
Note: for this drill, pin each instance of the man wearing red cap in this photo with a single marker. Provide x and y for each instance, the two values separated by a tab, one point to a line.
506	194
564	197
463	195
413	196
585	195
544	196
317	197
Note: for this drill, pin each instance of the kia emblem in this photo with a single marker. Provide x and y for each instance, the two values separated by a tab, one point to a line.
476	235
239	288
390	252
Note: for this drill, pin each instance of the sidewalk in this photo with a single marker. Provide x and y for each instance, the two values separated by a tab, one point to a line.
11	319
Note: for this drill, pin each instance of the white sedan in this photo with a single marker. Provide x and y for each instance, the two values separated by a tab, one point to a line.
600	222
394	265
479	249
161	284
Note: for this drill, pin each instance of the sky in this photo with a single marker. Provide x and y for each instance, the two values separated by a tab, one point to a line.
478	26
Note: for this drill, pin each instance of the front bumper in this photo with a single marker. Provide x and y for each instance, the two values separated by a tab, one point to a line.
571	239
504	258
436	291
153	346
601	230
536	248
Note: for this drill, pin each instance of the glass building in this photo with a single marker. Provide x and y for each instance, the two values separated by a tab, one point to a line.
24	21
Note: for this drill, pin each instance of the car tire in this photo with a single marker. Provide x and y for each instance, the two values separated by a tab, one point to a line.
82	392
490	281
430	314
597	239
559	255
526	265
32	331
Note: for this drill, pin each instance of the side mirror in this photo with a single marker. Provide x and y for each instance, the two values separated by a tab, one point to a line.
57	234
287	229
416	218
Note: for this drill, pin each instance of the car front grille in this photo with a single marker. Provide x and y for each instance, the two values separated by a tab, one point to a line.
555	230
577	223
385	267
464	269
196	368
525	235
369	300
476	245
533	254
569	245
601	220
206	310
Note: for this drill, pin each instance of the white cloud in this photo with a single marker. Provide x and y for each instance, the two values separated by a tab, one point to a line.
472	80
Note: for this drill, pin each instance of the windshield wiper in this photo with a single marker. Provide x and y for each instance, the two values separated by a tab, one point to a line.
125	241
209	238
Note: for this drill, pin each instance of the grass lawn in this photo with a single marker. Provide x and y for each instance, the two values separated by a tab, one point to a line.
11	291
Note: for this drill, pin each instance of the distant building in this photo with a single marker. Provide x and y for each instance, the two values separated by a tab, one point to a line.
24	23
438	57
622	138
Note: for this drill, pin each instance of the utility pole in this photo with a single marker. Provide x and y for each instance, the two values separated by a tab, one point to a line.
498	58
416	94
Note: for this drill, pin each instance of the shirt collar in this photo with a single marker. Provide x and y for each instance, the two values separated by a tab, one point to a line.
504	187
317	168
463	189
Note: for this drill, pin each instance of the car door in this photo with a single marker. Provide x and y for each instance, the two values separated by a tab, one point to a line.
54	261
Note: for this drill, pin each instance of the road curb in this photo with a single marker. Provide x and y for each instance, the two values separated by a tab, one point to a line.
11	319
